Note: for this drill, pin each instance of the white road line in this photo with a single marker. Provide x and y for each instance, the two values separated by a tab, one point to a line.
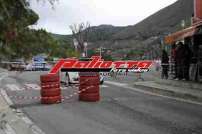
154	94
68	87
33	86
9	129
13	87
116	83
6	97
35	129
104	86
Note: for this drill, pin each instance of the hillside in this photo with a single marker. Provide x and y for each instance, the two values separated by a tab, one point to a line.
146	35
164	21
60	37
103	32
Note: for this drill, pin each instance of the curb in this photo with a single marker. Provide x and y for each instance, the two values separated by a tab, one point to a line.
180	83
31	127
165	92
15	117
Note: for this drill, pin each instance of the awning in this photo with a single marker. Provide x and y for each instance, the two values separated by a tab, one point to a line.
180	35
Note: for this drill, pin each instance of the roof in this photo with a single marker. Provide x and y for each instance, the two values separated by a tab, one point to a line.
180	35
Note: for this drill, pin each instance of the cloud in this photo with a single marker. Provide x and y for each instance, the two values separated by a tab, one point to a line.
115	12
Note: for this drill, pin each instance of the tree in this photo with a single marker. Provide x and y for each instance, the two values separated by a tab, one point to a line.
15	36
15	16
80	33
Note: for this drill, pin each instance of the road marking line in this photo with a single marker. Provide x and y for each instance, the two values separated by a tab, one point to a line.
116	83
154	94
35	129
104	86
13	87
9	129
33	86
6	97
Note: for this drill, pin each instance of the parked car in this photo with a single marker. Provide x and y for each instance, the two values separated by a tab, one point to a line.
38	66
70	78
38	63
16	65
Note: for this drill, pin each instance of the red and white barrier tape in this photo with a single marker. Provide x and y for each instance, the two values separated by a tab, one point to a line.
39	97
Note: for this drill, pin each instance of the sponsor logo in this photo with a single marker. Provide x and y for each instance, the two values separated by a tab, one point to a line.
97	64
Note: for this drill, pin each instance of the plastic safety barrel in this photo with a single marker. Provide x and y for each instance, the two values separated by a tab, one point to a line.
89	86
50	89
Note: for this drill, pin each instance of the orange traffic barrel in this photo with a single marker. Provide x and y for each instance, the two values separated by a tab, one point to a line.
50	89
89	86
89	80
90	97
49	78
89	89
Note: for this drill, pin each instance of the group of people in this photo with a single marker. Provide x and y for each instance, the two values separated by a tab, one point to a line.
181	56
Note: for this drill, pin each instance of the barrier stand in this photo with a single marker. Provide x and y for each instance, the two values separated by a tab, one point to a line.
50	89
90	82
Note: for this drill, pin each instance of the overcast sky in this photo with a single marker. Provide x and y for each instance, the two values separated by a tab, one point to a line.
114	12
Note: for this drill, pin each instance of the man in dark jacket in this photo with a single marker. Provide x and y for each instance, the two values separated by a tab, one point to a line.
173	61
179	60
186	61
164	64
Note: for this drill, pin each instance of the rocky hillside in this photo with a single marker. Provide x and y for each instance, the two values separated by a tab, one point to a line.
164	21
146	36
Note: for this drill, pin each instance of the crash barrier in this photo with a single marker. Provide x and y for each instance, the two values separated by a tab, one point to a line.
50	89
89	86
68	97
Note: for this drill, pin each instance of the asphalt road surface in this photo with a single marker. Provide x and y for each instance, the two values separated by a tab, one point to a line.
120	111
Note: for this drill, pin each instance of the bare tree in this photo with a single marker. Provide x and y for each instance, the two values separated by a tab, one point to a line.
80	34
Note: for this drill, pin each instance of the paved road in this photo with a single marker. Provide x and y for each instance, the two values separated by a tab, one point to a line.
120	111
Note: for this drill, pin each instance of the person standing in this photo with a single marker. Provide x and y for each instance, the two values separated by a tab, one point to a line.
179	60
164	64
186	61
173	61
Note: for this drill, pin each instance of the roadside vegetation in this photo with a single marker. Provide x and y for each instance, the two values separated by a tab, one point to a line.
18	40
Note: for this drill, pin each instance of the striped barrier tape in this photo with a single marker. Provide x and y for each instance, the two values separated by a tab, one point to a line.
39	97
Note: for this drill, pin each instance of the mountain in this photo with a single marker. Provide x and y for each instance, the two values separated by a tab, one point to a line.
145	36
164	21
148	34
60	37
103	32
